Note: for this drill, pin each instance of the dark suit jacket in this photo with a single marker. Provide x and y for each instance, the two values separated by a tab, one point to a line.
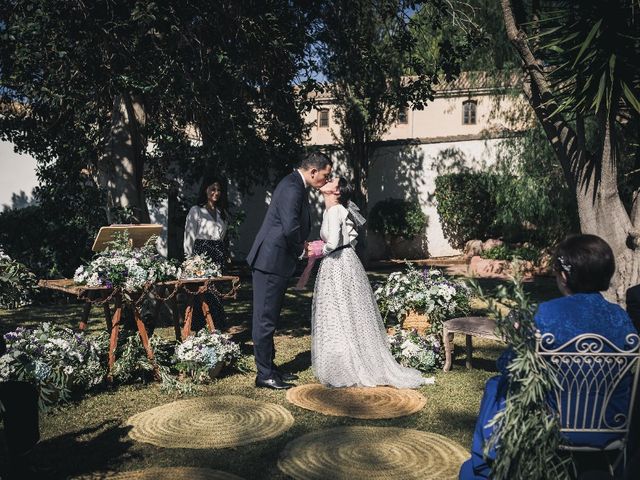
280	240
633	305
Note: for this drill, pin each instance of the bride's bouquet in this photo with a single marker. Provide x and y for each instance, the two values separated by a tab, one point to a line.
315	252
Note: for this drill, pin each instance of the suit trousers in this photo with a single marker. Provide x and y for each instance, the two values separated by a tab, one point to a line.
21	422
268	293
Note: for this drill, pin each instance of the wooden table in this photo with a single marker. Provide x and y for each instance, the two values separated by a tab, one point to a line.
105	295
194	288
88	294
482	327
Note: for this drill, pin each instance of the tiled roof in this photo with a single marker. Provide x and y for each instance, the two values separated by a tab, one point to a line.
467	81
481	81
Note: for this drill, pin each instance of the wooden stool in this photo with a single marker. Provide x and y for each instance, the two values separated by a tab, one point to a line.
482	327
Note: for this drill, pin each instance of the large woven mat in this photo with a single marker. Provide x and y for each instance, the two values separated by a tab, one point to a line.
373	453
172	473
357	402
210	422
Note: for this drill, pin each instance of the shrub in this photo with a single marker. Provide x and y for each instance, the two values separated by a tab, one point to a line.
466	206
397	218
17	283
505	252
48	244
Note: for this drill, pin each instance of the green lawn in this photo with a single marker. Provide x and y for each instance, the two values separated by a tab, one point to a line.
90	435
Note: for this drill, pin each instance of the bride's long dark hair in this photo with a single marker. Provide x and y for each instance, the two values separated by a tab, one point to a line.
346	191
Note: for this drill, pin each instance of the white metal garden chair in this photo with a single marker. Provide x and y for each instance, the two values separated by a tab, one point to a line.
593	375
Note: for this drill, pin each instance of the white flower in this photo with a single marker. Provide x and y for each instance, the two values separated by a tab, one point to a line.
409	348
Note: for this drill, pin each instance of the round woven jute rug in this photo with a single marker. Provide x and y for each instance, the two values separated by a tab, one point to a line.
210	422
157	473
357	402
373	453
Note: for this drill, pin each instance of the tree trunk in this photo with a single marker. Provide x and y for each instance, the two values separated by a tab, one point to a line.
120	171
593	179
360	163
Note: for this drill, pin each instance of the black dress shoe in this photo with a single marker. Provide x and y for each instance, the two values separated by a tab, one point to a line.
274	383
287	377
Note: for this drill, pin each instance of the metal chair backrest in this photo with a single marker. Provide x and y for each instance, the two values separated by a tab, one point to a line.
597	382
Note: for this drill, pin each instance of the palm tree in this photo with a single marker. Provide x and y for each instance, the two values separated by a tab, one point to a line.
582	76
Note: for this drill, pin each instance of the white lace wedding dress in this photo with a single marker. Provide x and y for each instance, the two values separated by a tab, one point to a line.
349	342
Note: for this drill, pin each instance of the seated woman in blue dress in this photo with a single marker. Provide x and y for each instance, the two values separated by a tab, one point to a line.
584	265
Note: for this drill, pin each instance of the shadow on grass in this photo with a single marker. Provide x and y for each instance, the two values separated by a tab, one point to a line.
300	363
100	447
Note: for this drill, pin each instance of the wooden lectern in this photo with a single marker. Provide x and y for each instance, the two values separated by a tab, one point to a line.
138	234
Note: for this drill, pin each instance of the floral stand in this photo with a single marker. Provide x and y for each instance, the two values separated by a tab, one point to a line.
416	320
103	295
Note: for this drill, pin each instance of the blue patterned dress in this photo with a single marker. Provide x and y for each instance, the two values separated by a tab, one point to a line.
565	318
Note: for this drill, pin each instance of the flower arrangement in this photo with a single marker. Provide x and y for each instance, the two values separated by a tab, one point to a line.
201	353
199	266
428	292
410	349
17	283
125	267
54	359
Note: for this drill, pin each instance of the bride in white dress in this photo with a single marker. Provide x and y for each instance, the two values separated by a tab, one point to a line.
349	345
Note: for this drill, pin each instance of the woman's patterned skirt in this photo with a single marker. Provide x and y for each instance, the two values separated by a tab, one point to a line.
216	251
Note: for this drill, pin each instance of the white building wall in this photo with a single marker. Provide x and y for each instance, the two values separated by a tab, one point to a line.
17	176
400	171
406	172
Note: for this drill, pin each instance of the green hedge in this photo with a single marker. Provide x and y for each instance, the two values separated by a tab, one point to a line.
46	242
394	217
466	206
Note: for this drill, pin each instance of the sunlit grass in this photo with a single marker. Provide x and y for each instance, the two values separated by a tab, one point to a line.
90	435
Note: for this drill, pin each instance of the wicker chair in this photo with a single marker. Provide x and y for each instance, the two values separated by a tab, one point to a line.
591	371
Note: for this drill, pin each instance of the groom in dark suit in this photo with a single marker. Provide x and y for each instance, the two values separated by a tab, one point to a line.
280	243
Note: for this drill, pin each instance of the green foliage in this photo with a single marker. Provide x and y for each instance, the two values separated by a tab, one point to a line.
533	202
465	206
365	48
132	363
593	44
395	217
52	243
506	252
523	197
17	283
224	68
526	433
